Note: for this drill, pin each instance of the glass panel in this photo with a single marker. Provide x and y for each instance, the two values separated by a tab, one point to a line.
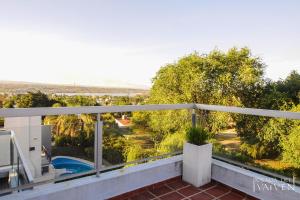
133	136
262	143
70	149
62	147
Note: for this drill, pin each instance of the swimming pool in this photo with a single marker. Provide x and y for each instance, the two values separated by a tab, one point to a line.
72	166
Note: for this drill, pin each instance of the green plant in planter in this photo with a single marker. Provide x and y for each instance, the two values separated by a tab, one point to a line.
197	136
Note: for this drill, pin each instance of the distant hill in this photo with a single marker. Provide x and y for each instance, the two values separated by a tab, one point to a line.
15	87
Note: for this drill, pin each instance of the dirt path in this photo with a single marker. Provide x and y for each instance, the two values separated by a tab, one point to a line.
229	139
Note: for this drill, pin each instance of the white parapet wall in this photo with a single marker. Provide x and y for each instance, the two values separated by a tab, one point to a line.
254	184
108	185
120	181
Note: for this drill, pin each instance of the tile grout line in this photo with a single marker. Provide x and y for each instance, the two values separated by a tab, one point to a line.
156	196
204	191
224	194
176	190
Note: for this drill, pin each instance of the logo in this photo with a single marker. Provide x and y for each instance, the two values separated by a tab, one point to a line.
272	184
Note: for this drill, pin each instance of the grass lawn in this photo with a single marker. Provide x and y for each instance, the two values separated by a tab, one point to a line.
140	135
229	139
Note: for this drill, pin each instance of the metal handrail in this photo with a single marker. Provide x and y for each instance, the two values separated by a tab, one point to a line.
44	111
250	111
27	112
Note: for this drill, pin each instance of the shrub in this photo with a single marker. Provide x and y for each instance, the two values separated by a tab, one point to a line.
197	136
61	140
89	152
171	143
136	152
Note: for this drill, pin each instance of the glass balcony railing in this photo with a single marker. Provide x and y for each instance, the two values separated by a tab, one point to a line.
81	141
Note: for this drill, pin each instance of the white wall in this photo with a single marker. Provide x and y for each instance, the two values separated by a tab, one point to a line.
28	133
252	183
4	148
108	185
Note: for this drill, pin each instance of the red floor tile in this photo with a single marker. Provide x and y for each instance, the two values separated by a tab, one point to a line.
218	190
160	190
188	191
207	186
251	198
176	189
172	196
119	198
233	196
177	184
178	178
143	196
202	196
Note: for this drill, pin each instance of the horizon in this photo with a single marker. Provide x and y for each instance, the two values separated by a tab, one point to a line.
124	44
75	85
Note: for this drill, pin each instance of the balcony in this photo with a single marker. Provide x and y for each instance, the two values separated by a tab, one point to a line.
155	177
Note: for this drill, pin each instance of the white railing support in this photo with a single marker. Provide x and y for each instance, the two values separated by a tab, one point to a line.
98	145
251	111
194	118
46	111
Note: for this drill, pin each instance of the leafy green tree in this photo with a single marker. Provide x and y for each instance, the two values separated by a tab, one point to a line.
114	147
291	147
33	99
290	87
29	100
2	99
230	78
261	135
140	118
79	100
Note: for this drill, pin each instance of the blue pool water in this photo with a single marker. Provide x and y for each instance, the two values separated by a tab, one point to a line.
72	166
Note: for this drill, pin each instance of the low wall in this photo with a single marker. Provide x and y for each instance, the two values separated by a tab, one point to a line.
108	185
120	181
254	184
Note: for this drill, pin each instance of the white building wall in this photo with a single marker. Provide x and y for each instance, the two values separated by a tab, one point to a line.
4	148
28	133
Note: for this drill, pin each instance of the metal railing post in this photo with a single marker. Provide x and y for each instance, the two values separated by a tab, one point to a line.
98	145
11	152
18	170
194	118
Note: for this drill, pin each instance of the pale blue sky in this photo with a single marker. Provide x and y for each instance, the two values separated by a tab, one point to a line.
124	43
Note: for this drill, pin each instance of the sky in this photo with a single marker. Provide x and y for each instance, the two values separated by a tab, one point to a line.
124	43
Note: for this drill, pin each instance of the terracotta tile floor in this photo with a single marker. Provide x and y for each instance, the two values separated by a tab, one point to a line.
176	189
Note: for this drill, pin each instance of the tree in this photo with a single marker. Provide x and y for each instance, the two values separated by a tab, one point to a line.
261	136
29	100
140	118
232	78
2	99
290	87
291	147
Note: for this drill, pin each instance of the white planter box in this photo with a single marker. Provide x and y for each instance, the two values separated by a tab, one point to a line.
197	164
